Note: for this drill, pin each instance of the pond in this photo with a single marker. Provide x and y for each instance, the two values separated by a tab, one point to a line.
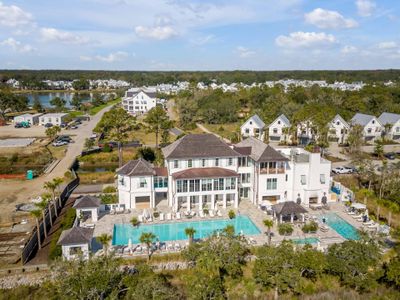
96	169
46	97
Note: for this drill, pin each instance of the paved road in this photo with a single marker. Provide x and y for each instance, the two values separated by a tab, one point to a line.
14	192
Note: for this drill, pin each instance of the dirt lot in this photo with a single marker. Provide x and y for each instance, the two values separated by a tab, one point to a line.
9	131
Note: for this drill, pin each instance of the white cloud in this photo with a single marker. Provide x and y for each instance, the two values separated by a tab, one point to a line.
52	34
244	52
17	45
388	45
348	49
112	57
13	16
305	40
328	19
365	8
85	58
156	32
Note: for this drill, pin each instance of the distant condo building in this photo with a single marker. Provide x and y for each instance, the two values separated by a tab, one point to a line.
138	101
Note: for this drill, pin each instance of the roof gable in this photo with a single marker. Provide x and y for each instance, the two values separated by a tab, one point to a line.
138	167
198	146
261	151
363	119
76	235
87	202
339	118
257	120
283	119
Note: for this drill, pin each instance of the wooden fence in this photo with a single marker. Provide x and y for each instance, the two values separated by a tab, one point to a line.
32	246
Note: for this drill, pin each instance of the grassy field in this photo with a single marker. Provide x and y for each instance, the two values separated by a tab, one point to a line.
102	158
224	130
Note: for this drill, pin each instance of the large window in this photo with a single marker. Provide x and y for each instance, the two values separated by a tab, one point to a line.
272	183
194	185
189	163
217	162
176	164
160	182
245	178
182	186
218	184
206	185
230	161
322	178
243	162
303	179
230	183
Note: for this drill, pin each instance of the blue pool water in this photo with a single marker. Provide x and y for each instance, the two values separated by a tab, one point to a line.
310	240
341	226
176	230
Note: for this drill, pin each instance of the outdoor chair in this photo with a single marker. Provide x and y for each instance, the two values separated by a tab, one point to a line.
211	213
219	214
161	216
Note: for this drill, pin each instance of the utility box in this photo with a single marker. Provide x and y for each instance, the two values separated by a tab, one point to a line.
29	174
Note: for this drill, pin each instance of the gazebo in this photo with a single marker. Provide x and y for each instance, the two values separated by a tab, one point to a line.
76	241
88	205
287	209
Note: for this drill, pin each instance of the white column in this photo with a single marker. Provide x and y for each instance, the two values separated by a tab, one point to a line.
280	218
175	203
200	203
224	201
291	218
188	203
236	200
213	201
95	214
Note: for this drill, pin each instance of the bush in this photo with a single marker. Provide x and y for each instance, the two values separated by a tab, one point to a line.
109	189
68	175
311	227
156	214
231	214
107	148
285	229
134	221
205	211
108	199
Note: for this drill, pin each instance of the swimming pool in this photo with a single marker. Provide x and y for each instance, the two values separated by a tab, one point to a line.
309	240
342	227
176	230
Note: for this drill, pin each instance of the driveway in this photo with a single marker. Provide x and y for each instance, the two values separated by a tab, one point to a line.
14	192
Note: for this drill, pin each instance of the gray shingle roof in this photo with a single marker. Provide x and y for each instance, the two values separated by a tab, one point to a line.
388	118
288	207
284	119
256	119
198	146
361	119
261	151
87	202
76	235
137	167
339	117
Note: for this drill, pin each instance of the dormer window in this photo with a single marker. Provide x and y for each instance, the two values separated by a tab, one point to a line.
373	121
337	123
251	123
279	122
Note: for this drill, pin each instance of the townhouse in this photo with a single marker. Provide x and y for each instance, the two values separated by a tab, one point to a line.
278	130
200	170
139	100
391	125
55	119
253	127
372	128
338	129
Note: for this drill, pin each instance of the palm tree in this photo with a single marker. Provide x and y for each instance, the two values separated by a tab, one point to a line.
42	205
47	198
104	239
190	231
37	214
148	239
57	183
269	224
51	187
229	230
366	193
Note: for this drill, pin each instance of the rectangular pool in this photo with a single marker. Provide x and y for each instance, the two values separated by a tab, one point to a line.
309	240
342	227
176	230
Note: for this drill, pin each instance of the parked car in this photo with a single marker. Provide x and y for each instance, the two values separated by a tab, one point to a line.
59	143
63	125
93	136
343	170
74	127
48	125
64	138
390	155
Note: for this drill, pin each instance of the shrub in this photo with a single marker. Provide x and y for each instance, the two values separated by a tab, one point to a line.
109	189
107	148
310	227
68	175
134	221
231	214
205	211
285	229
156	214
108	199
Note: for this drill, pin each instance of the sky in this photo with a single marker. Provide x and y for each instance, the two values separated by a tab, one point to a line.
200	34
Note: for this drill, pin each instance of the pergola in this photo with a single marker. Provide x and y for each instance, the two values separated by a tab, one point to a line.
288	209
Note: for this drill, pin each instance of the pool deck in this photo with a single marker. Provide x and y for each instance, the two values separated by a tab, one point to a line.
106	223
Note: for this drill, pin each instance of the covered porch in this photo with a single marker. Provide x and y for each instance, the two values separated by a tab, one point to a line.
288	211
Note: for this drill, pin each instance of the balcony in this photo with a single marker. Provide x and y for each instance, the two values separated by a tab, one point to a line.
272	171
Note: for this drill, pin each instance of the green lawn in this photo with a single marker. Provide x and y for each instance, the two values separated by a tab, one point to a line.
224	130
96	109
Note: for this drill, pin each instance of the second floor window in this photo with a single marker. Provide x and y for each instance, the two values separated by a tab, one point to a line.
189	163
322	178
176	164
272	183
217	162
230	161
203	162
303	180
142	182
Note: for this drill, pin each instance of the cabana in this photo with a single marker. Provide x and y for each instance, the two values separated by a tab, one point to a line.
288	210
76	242
87	205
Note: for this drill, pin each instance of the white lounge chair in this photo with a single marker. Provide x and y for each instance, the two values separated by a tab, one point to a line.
170	247
211	213
140	218
201	214
169	217
368	223
178	215
161	216
219	214
351	213
356	216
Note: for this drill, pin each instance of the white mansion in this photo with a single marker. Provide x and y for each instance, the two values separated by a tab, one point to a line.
203	171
